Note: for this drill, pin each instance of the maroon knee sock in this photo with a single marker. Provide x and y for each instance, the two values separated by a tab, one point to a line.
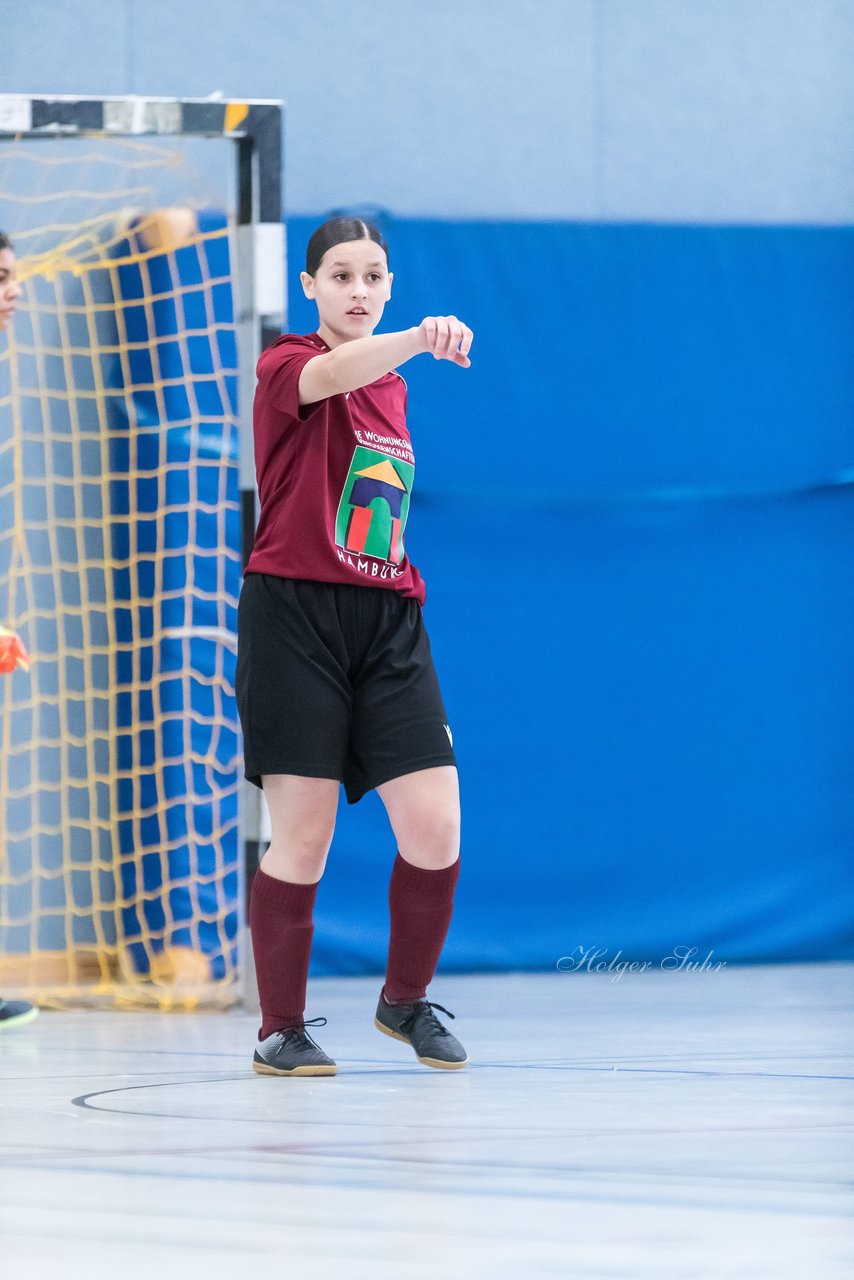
280	918
421	903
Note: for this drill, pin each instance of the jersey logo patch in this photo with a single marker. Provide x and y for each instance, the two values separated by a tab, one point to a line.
374	506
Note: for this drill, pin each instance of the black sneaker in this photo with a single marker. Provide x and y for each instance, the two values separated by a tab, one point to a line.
14	1013
417	1024
292	1052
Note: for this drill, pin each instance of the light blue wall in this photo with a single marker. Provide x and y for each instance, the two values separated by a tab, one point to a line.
659	110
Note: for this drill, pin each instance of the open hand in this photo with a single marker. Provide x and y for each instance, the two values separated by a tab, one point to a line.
447	338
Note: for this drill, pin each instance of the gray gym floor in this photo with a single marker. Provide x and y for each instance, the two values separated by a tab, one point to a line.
690	1125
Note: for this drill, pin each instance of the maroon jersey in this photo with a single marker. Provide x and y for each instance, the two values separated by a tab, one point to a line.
334	478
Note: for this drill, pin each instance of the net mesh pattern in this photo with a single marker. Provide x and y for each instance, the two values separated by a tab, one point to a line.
119	571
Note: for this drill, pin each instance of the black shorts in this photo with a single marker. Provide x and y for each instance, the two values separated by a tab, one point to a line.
336	681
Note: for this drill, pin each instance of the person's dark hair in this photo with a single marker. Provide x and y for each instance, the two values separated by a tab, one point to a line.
5	242
338	231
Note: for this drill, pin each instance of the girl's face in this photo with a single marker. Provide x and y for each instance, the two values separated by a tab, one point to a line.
351	287
10	290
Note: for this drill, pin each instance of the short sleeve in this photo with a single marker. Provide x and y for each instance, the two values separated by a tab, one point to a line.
279	372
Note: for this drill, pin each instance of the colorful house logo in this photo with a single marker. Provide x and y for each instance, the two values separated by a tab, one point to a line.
374	505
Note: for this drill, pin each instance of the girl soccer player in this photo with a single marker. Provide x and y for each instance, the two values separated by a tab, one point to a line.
335	681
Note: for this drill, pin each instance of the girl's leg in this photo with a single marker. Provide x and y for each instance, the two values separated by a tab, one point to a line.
281	905
424	811
302	818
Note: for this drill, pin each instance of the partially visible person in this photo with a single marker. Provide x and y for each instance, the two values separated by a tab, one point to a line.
13	1013
10	290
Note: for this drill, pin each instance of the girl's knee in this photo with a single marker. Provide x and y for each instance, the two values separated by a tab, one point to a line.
429	839
296	864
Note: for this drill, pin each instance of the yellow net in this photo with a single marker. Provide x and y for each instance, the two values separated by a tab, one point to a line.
119	572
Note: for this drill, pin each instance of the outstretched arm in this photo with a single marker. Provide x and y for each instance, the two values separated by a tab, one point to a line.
357	363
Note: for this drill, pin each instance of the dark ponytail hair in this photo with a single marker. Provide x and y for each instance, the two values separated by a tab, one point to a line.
338	231
5	242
